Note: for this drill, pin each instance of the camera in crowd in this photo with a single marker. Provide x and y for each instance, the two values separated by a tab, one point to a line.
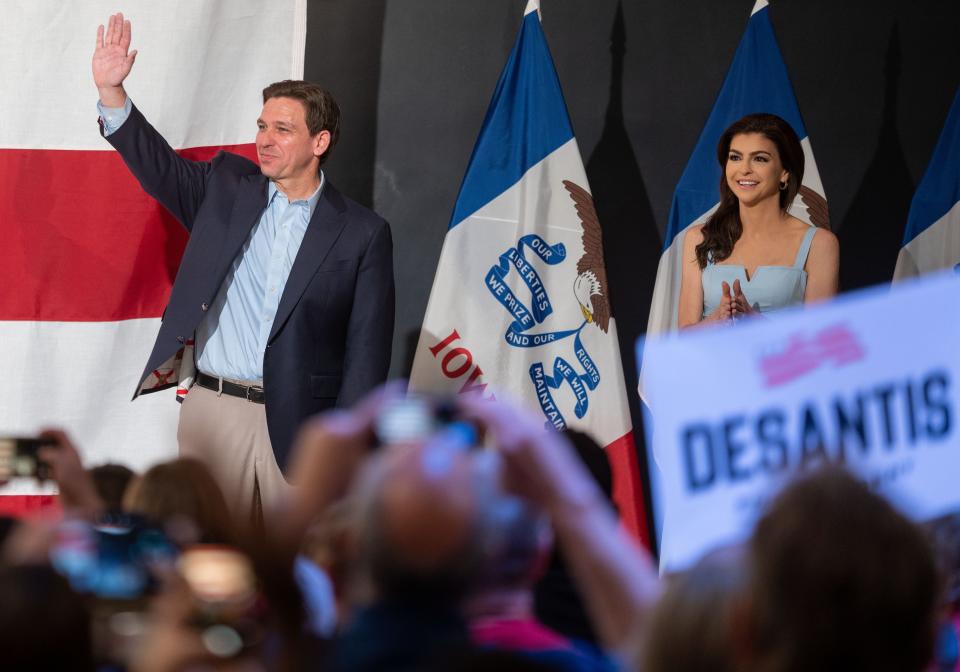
19	458
413	417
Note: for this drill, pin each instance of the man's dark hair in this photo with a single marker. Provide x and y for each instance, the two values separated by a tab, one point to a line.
322	111
840	581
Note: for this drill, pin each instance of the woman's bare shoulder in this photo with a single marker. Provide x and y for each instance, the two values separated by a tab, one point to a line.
693	236
824	241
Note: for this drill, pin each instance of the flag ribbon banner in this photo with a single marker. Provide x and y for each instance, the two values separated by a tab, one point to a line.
496	283
88	256
931	240
520	303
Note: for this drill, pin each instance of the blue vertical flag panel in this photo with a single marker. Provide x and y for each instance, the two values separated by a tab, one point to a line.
932	238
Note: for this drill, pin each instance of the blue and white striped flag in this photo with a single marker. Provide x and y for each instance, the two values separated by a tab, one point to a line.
932	238
756	82
520	303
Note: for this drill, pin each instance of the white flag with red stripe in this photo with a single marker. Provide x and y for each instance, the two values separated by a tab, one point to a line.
88	258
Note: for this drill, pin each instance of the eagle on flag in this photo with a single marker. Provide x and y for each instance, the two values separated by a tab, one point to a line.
590	285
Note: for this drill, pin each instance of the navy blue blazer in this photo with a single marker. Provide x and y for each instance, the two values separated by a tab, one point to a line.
332	334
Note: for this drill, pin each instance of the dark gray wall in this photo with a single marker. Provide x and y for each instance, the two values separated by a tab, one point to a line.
874	81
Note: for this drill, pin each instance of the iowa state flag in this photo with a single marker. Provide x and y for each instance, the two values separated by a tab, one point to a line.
520	303
932	238
88	258
756	82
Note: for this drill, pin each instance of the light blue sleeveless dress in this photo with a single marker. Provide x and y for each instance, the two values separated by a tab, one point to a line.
771	287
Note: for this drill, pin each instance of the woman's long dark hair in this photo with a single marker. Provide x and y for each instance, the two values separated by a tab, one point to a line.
724	227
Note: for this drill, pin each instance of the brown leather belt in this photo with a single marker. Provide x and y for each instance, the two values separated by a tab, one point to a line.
252	393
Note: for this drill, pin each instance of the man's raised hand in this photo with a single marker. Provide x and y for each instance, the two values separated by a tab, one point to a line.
112	60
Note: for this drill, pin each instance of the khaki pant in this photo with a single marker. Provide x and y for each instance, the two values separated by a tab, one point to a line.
229	435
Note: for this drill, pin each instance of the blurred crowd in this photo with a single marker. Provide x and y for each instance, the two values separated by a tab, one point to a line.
467	539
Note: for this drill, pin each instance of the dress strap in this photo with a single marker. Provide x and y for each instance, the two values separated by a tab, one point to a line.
804	250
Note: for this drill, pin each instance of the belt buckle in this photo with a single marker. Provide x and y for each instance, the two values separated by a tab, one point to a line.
253	389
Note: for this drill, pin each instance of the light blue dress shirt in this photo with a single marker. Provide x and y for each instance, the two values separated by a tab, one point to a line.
232	335
113	117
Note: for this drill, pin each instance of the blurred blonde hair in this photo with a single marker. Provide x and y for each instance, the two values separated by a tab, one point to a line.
182	488
692	626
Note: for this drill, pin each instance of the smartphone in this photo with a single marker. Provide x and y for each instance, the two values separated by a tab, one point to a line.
413	418
113	561
19	459
405	420
115	565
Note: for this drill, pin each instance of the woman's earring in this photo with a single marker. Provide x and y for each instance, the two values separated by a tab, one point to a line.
783	186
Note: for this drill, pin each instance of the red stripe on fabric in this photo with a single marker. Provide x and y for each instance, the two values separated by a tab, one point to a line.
82	242
29	506
627	486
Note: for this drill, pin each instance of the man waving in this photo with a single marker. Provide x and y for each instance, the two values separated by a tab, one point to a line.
284	300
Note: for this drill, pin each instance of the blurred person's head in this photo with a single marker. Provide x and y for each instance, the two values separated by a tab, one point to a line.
839	581
519	540
698	606
419	511
515	554
44	625
182	492
111	481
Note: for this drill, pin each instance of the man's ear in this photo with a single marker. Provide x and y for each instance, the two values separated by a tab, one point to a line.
321	143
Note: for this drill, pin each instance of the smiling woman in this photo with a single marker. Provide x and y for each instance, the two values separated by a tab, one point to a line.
751	256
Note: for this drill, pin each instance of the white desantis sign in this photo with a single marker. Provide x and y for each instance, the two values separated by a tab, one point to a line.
868	380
